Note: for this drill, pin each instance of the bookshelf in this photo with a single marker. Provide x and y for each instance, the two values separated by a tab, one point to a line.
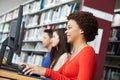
112	64
38	15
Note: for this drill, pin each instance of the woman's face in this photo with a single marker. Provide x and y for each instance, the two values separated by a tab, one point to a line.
55	39
73	31
46	40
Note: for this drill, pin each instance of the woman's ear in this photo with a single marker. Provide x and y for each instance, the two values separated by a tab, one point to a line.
81	31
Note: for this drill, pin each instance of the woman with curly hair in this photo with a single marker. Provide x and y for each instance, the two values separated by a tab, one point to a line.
82	27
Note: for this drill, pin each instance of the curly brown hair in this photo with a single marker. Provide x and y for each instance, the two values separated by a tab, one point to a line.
87	22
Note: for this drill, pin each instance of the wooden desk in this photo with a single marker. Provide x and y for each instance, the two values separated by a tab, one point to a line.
8	75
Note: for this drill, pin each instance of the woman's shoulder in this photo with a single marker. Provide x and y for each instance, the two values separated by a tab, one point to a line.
64	55
88	48
88	51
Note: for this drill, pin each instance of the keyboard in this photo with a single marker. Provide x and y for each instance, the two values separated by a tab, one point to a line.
12	67
16	68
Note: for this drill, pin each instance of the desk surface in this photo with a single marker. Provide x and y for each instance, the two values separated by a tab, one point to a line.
12	75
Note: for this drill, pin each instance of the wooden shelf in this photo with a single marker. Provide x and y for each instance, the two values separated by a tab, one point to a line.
112	66
113	56
117	41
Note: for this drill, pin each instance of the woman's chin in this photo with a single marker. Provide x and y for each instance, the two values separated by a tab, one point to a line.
68	41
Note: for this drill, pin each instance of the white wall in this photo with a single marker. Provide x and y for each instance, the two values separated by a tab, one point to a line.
6	5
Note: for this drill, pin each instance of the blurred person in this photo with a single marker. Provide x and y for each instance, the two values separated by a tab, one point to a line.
46	42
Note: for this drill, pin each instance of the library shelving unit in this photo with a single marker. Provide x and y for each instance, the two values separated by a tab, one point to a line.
41	14
112	64
38	14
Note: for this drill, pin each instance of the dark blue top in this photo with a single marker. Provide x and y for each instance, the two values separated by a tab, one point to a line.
46	60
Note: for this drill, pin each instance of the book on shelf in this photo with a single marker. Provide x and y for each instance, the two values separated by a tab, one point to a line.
57	14
31	21
26	9
31	7
15	13
26	34
30	58
40	33
48	16
110	74
2	18
35	59
39	47
60	26
9	16
28	46
115	75
42	4
35	7
34	34
0	37
113	45
50	3
1	27
113	35
6	27
38	60
4	36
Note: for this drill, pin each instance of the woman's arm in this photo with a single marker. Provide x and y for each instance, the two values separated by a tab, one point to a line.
87	65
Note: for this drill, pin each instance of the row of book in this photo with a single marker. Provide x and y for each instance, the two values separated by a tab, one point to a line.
32	20
49	3
9	16
113	35
113	46
31	7
4	27
51	16
3	37
57	14
2	18
110	74
29	58
116	20
33	34
42	4
37	33
35	47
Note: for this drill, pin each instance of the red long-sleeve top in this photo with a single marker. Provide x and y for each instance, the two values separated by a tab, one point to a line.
81	67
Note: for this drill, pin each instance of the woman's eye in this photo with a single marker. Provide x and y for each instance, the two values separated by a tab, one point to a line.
69	27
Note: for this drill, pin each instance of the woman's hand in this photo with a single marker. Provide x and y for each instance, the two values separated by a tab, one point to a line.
33	69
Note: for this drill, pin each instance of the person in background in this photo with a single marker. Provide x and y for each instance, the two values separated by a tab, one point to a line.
82	27
47	35
60	49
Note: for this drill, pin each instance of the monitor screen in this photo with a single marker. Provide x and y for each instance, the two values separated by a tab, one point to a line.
14	39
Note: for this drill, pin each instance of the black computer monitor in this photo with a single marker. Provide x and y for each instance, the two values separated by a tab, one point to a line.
14	40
